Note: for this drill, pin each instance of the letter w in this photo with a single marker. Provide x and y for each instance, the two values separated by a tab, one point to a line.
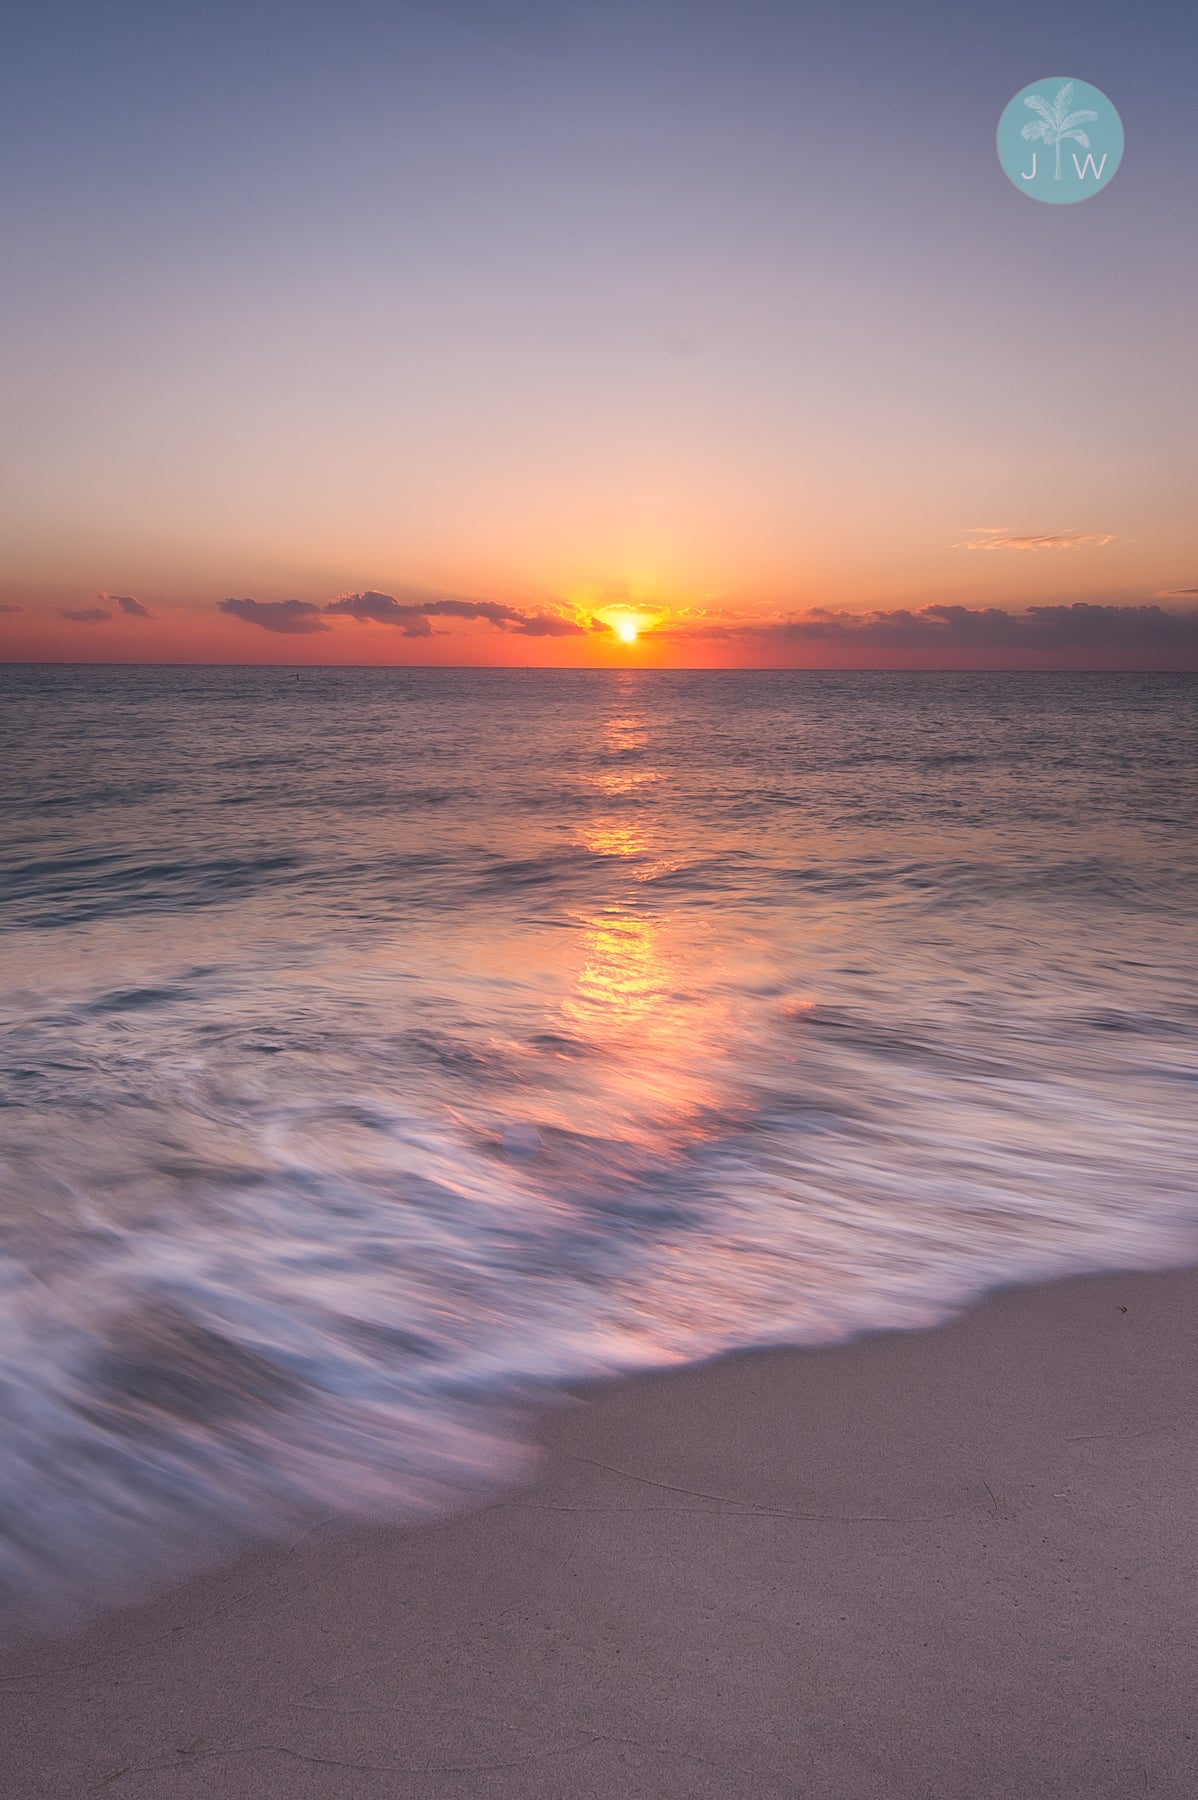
1089	163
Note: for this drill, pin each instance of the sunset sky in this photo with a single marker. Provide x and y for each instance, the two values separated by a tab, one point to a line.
495	331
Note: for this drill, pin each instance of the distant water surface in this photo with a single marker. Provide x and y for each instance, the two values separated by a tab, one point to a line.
835	999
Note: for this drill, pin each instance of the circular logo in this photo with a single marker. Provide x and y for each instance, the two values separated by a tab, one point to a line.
1060	140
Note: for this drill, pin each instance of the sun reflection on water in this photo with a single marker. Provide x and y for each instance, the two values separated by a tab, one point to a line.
607	838
622	977
646	995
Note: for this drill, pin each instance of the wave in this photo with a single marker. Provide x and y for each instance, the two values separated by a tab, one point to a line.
225	1313
832	1003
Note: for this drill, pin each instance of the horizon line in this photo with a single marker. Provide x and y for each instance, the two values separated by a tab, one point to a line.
612	668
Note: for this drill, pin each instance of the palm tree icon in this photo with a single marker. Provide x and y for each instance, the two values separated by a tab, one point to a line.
1056	122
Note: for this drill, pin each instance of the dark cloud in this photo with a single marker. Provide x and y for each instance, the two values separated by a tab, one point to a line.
547	625
295	617
129	605
383	609
1145	634
1082	625
87	615
11	609
413	614
490	610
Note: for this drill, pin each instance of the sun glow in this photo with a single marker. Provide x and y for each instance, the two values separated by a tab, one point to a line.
627	622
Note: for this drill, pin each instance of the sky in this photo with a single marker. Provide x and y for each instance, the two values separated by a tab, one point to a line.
545	331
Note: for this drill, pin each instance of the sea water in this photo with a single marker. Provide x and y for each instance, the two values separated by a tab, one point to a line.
382	1049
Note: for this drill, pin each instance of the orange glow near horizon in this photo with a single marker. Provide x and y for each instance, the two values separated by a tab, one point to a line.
580	372
629	624
663	625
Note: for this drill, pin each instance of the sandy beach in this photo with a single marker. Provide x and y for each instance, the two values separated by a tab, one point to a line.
958	1562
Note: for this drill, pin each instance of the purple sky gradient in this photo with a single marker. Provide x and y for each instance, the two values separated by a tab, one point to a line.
541	313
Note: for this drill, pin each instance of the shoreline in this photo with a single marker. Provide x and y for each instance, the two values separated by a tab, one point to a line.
953	1561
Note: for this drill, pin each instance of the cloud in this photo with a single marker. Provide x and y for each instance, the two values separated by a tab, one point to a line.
129	605
381	609
87	615
1176	594
547	625
994	537
490	610
294	617
1082	629
413	614
11	609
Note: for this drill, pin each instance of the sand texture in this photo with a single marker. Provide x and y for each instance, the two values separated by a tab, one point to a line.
954	1563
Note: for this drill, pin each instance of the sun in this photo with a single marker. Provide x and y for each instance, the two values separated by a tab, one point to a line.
627	624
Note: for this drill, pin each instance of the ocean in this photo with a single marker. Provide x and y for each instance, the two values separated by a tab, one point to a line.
808	1004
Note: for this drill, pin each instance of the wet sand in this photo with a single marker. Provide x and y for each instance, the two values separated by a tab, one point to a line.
954	1563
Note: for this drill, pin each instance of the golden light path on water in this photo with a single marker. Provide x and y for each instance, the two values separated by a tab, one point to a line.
647	993
655	994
